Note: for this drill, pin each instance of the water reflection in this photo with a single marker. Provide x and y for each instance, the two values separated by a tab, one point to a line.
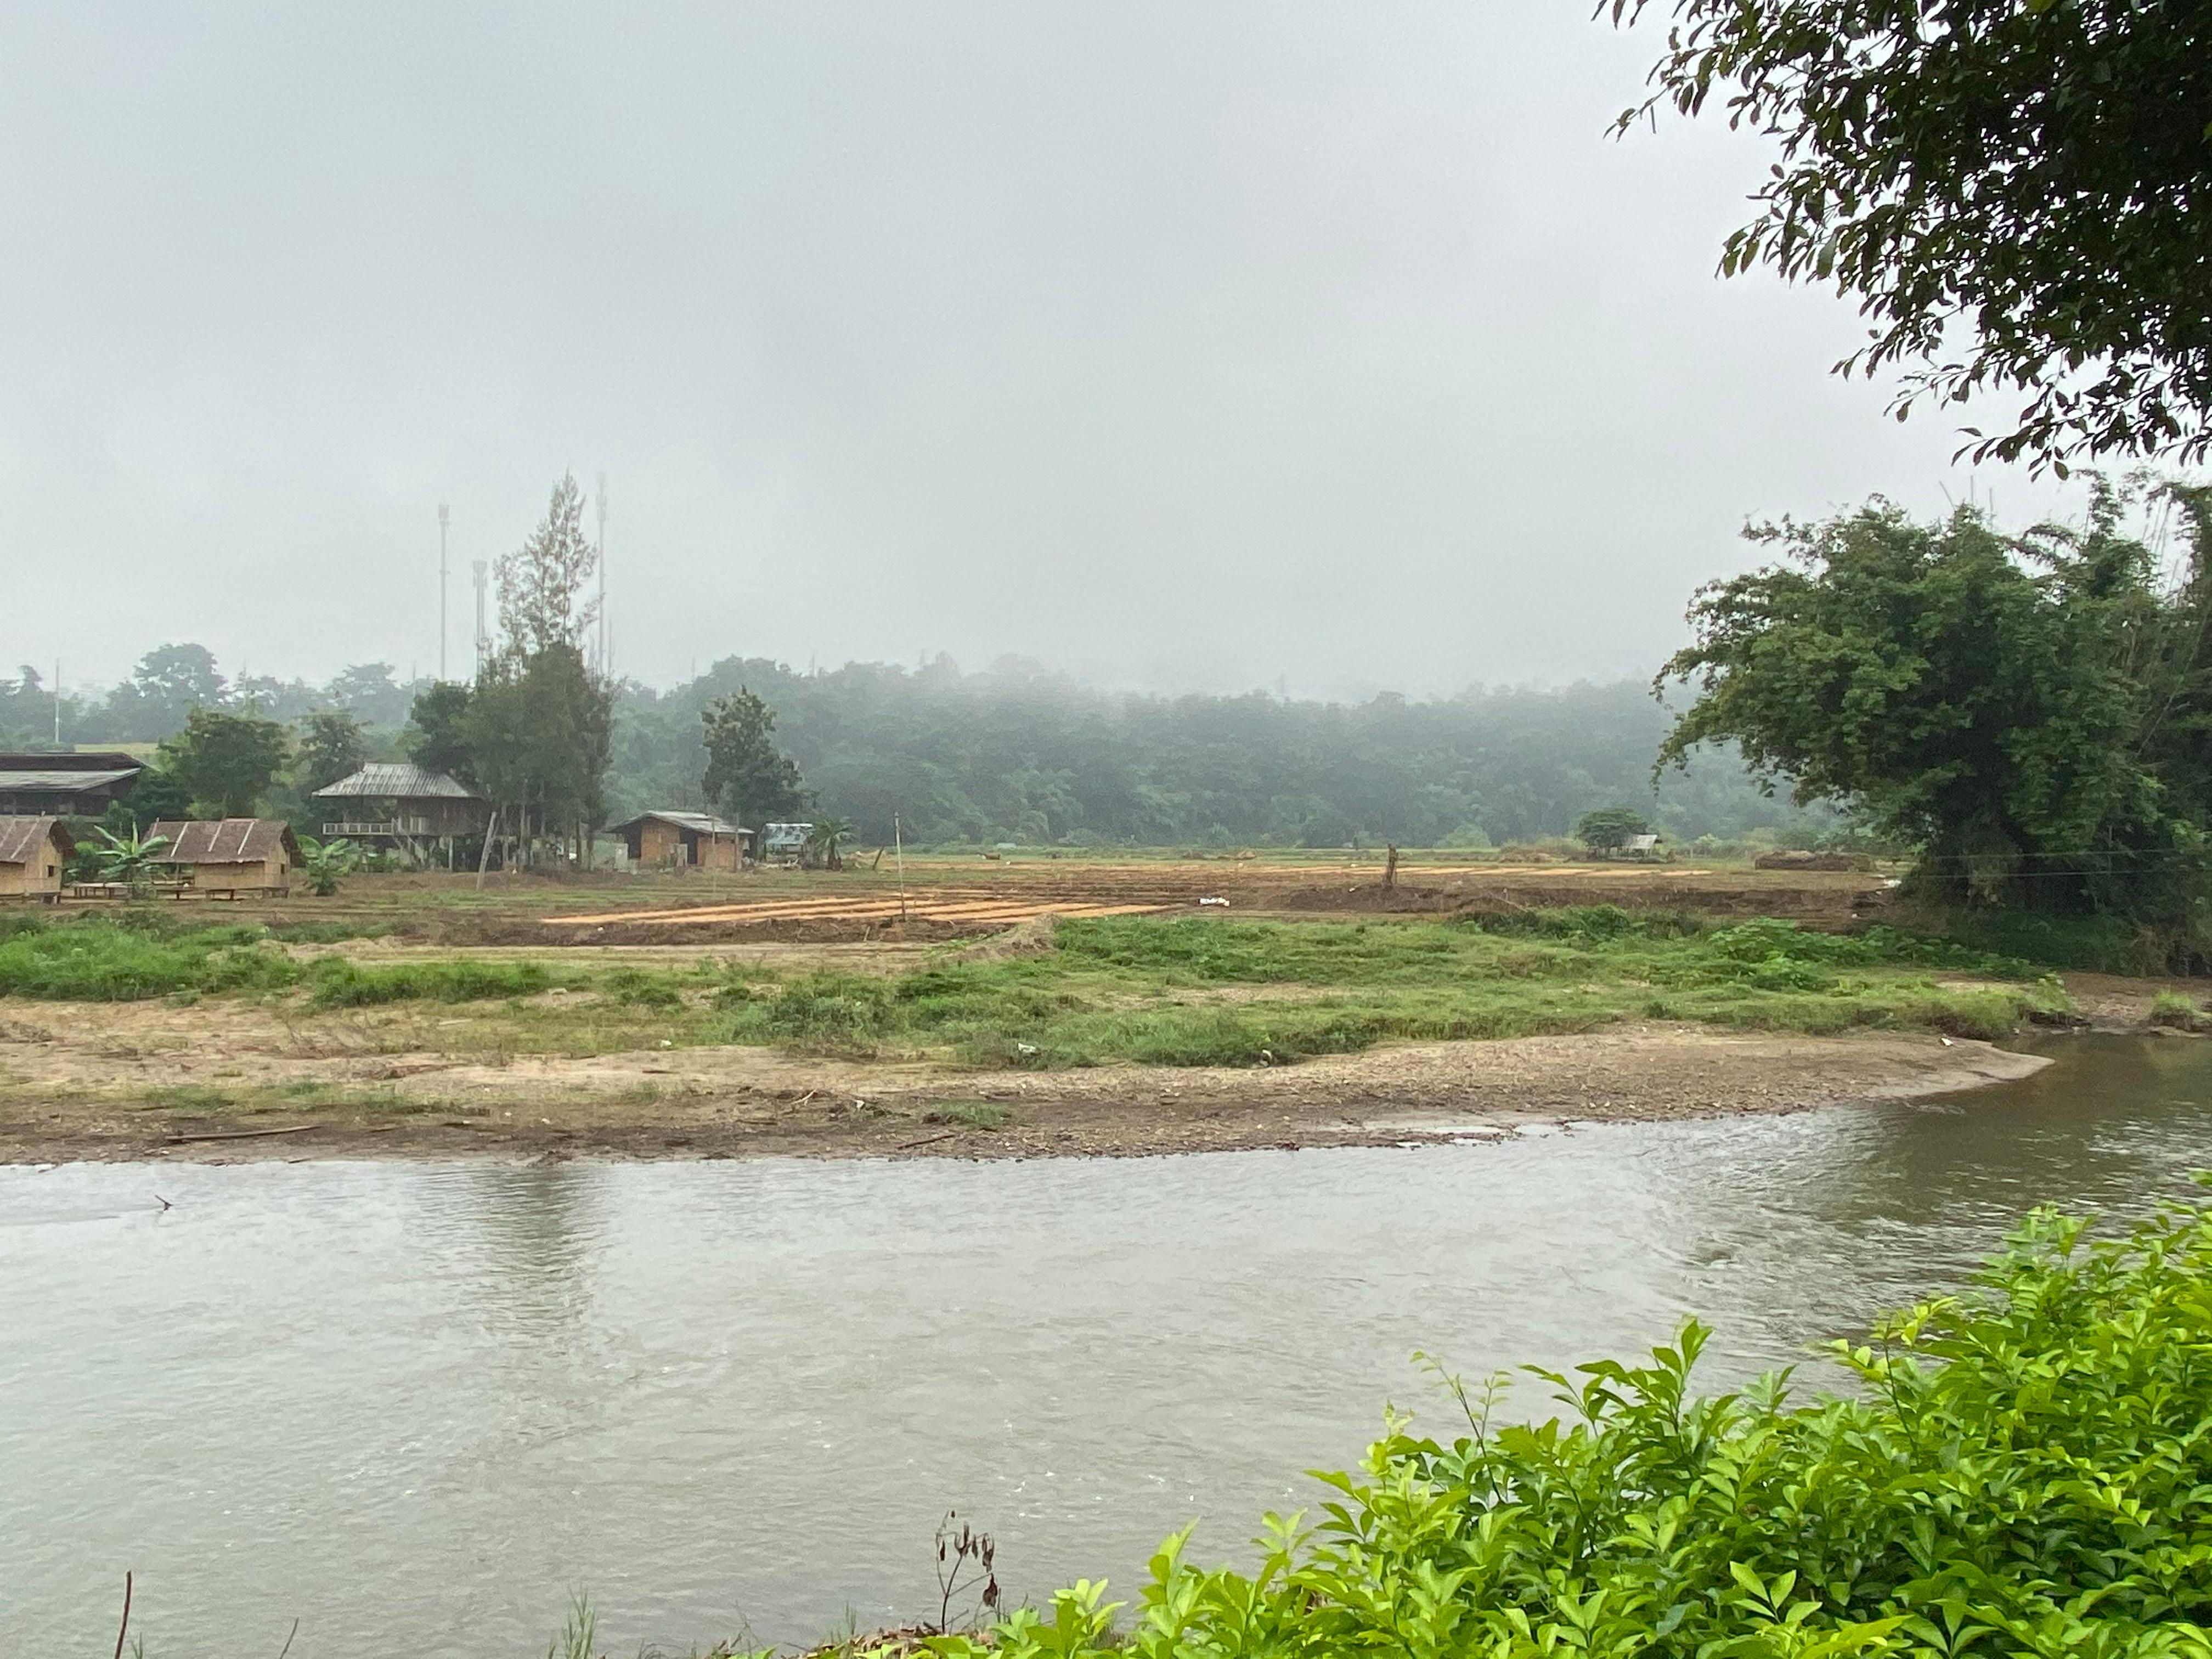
417	1406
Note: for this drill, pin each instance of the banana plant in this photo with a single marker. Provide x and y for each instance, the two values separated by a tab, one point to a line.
131	859
829	833
327	863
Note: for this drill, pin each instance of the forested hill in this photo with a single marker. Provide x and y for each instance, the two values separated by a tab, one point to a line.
1020	756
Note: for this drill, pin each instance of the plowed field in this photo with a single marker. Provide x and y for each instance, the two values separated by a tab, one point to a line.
944	905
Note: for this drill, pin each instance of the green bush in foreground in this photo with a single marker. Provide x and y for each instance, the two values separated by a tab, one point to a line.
334	982
105	961
2025	1470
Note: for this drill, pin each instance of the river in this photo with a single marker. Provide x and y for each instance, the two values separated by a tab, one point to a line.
417	1406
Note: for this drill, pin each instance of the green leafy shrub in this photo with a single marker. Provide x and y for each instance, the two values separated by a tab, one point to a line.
2020	1470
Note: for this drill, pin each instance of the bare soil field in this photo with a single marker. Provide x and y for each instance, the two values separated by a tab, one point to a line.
945	898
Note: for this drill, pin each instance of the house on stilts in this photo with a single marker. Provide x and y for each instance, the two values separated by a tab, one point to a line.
416	811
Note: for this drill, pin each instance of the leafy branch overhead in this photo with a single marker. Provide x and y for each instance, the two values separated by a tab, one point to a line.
2018	192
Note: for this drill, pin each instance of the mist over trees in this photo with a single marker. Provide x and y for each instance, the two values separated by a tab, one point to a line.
172	680
1017	754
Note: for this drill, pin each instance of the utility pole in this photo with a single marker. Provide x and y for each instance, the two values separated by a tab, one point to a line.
483	569
57	703
605	668
444	512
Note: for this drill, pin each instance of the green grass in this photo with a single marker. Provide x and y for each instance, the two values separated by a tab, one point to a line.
1191	991
2179	1013
104	960
335	982
1167	991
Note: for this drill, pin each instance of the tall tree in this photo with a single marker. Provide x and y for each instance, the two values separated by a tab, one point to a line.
542	583
332	746
2034	174
227	761
438	737
538	727
746	773
370	692
2031	713
180	678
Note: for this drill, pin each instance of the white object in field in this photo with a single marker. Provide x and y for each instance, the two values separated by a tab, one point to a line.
1213	900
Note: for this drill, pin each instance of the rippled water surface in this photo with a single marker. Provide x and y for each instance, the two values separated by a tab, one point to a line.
417	1406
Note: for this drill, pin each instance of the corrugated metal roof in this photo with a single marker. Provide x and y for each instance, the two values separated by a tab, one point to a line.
705	824
396	780
222	841
21	838
14	779
82	760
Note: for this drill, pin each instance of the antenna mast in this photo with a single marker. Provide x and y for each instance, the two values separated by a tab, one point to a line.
483	569
606	670
444	513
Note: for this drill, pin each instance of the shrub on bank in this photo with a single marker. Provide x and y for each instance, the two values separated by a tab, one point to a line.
107	961
2022	1470
335	982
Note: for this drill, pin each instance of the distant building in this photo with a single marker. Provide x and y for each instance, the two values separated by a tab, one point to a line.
230	856
786	843
34	850
404	806
686	840
66	785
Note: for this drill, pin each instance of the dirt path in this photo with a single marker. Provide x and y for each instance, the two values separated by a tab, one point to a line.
138	1081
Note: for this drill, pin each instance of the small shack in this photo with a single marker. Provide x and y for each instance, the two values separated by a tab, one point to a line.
33	852
786	843
226	857
60	785
697	840
406	806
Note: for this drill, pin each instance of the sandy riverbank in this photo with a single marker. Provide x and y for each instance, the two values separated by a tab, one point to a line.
102	1083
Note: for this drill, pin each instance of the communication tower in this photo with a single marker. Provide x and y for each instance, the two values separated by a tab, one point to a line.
444	514
604	671
483	568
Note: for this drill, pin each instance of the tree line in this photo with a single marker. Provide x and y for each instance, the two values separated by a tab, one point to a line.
1010	754
1017	754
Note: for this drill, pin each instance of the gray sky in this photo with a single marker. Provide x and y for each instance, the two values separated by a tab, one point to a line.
1192	347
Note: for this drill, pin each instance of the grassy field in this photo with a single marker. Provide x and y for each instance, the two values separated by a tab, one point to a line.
1177	991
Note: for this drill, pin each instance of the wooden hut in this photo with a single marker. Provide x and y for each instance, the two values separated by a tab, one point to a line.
685	840
226	857
33	852
409	807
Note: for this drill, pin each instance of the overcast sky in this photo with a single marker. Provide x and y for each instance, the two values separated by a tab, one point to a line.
1188	347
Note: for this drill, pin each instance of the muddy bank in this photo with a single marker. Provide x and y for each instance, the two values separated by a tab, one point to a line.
100	1085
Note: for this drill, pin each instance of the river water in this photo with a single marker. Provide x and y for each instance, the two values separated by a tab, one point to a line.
417	1406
